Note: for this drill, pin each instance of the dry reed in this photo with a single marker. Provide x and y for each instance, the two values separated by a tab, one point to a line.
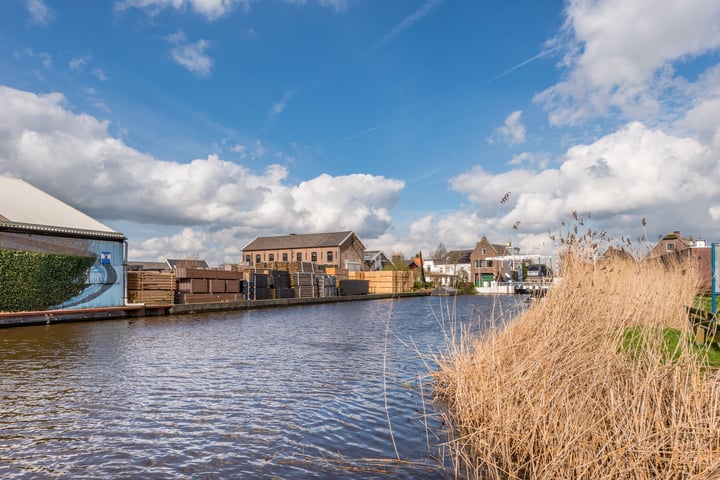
553	394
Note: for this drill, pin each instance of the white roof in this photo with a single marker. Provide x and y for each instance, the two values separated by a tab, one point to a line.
22	203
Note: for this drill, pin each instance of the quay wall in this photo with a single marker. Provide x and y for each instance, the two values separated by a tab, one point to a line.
16	319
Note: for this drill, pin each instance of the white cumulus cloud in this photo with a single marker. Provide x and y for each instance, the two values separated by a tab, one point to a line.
214	204
512	132
620	54
190	55
636	172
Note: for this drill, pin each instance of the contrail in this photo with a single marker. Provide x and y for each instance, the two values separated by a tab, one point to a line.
408	22
521	64
365	132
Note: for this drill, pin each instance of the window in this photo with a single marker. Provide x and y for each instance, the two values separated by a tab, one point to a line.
257	258
285	257
484	251
271	257
313	256
247	258
489	263
329	256
478	263
298	257
670	247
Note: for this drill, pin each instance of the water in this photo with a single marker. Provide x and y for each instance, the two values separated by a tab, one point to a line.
301	392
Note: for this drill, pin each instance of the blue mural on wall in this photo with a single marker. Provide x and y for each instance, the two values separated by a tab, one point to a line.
106	278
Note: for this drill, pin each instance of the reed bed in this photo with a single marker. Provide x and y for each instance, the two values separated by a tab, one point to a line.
556	392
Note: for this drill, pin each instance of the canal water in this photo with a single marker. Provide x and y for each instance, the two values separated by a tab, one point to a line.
324	391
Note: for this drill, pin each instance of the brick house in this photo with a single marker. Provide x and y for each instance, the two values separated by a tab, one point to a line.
674	245
672	242
336	249
486	269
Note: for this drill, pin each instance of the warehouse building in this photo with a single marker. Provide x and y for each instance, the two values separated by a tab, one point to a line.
335	249
34	221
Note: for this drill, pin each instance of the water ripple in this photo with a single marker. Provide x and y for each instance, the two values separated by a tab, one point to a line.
283	393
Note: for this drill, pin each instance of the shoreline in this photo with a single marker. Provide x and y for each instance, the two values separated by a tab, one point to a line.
47	317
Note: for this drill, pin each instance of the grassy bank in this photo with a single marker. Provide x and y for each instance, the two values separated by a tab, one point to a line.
560	392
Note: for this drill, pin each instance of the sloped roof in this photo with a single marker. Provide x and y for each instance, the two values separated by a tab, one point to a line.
186	263
27	208
459	256
500	248
308	240
375	254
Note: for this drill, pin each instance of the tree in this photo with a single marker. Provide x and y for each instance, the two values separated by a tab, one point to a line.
439	253
422	268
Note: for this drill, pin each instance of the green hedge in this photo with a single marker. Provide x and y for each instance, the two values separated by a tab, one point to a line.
35	281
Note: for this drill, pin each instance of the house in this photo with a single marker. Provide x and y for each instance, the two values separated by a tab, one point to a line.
454	267
34	221
336	249
487	267
376	260
675	246
672	242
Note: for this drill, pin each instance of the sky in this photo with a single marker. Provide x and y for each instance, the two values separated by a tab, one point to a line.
194	126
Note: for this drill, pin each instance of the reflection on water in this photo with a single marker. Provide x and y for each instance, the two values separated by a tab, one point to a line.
279	393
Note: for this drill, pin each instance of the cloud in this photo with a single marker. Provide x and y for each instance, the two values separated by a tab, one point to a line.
76	63
241	149
633	173
45	58
619	56
427	7
40	14
513	132
337	5
72	156
278	108
211	9
191	55
255	151
99	74
79	64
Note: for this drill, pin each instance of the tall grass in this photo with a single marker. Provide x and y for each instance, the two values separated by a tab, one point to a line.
554	393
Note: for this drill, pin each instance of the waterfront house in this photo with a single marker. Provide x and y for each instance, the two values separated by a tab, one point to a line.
34	221
675	246
485	265
335	249
454	267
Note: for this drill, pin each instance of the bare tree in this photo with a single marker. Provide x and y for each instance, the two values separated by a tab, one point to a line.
439	253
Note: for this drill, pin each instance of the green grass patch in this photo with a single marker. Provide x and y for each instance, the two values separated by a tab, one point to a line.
703	302
638	339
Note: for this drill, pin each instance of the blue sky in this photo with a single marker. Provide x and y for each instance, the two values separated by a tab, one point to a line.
193	126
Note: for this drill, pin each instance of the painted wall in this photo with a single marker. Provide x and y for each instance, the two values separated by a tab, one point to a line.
106	278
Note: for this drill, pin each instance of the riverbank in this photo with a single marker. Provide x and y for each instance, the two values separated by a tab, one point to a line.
555	393
16	319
